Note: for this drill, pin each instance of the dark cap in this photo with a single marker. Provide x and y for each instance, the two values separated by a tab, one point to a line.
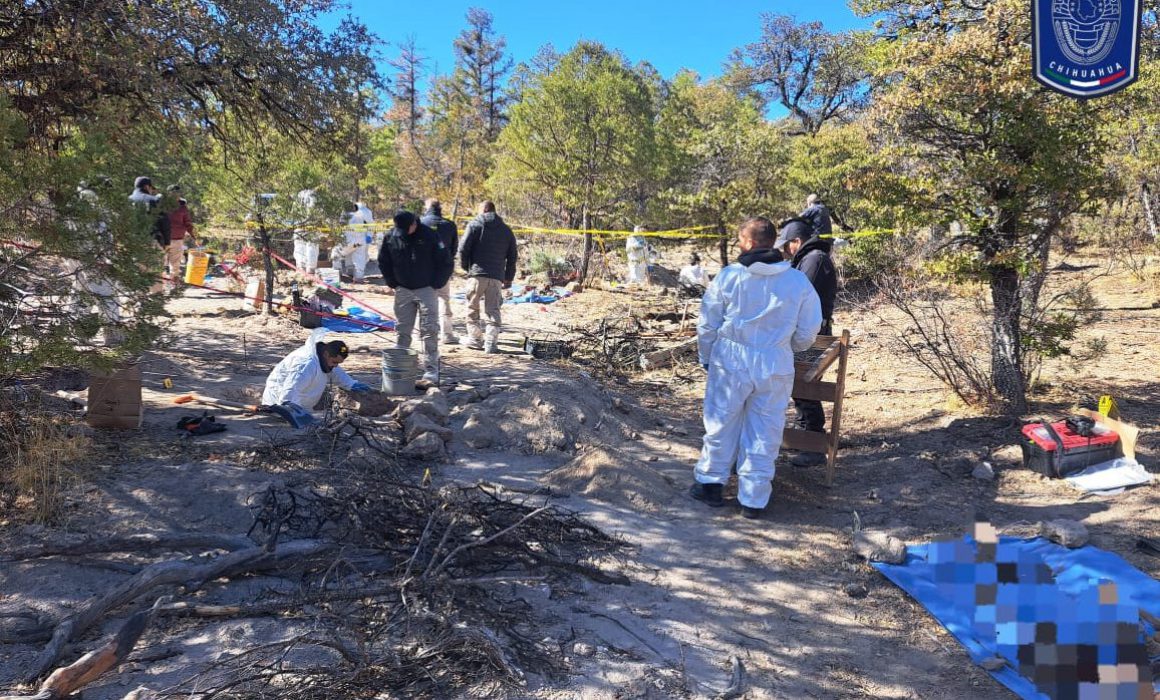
403	220
174	188
336	348
142	182
793	229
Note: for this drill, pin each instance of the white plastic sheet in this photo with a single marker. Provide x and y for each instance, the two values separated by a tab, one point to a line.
1110	477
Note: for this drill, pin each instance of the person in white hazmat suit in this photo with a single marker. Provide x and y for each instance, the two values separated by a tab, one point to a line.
356	245
636	250
755	315
305	239
299	380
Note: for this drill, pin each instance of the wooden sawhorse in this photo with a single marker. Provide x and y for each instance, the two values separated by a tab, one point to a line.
808	384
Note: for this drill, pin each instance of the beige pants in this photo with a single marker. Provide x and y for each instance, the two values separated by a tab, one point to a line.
446	318
423	303
489	292
173	260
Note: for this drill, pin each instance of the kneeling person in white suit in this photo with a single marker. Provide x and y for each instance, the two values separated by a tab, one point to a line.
755	315
299	380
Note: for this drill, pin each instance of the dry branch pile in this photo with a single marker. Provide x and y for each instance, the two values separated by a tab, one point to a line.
397	588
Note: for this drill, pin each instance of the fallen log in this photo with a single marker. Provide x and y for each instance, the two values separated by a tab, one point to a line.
67	680
170	541
667	357
190	573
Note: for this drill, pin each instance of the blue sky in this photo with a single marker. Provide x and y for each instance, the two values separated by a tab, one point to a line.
670	35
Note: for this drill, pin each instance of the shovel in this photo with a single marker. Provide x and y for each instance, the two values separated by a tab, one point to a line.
294	415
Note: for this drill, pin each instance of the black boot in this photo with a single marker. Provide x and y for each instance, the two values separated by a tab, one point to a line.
709	494
751	513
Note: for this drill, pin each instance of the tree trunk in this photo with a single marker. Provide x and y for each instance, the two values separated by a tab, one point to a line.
588	246
1149	211
268	262
723	243
1006	353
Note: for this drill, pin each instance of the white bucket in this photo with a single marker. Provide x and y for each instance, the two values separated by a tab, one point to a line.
330	276
400	370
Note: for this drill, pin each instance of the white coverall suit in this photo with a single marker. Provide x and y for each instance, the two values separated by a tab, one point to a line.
753	319
636	250
299	379
355	249
306	240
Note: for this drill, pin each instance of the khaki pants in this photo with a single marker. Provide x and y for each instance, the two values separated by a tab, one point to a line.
489	292
173	260
446	318
423	303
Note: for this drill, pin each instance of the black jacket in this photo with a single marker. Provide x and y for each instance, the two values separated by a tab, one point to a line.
415	260
489	248
446	229
813	260
818	214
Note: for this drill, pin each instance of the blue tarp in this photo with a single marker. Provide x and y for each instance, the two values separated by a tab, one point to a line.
1056	585
342	325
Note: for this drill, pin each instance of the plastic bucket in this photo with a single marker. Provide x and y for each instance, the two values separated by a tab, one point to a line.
400	370
196	266
330	276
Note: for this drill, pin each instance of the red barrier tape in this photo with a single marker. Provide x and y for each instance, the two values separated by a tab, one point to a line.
336	290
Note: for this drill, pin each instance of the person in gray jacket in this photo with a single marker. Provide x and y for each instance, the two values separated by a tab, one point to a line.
489	257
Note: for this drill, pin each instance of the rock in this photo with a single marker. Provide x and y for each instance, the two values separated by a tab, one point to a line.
418	423
583	649
427	445
856	590
574	287
434	405
984	471
619	405
993	663
679	431
1068	533
480	431
879	546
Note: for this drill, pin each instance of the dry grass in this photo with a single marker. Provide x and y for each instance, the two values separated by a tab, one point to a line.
39	459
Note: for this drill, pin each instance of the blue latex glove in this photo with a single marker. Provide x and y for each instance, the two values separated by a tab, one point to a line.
360	388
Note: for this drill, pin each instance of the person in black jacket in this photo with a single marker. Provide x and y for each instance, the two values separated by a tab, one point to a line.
414	263
489	258
449	235
810	254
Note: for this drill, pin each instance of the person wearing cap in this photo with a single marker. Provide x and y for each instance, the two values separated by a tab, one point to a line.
301	377
755	315
180	228
414	263
694	274
449	235
489	257
810	254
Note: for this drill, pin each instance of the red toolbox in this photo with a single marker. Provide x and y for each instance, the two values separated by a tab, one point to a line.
1054	450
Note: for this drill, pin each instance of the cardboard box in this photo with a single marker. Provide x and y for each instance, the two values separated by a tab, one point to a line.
255	295
115	399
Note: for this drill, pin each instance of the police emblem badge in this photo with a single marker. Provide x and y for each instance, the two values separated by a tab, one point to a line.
1086	48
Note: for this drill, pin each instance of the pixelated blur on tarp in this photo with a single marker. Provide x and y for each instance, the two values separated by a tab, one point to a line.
1067	622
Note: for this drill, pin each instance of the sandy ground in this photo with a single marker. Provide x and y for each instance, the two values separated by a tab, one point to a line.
707	585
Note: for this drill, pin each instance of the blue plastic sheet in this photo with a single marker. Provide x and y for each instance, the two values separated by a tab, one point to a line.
374	322
944	584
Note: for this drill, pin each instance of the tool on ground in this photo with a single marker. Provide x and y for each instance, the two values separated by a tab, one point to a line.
205	424
294	415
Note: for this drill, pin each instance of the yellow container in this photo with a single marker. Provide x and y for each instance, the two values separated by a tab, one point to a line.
195	267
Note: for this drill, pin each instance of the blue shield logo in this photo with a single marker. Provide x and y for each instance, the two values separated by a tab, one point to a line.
1086	48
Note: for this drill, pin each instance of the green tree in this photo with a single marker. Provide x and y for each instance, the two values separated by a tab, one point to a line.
111	89
815	74
988	148
721	156
580	137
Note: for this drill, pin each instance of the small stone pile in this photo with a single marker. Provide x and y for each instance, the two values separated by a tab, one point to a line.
424	420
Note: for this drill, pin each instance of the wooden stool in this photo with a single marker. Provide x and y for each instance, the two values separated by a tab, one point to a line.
809	367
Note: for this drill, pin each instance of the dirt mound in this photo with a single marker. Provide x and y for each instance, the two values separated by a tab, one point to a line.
552	414
609	475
